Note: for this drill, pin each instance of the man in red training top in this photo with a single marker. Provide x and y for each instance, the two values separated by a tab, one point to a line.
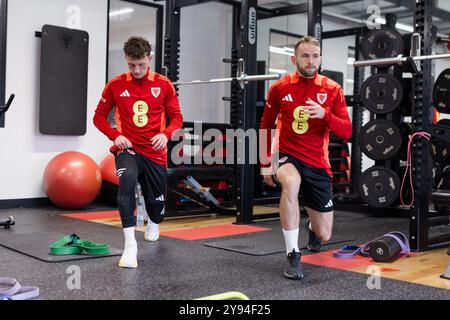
142	98
307	106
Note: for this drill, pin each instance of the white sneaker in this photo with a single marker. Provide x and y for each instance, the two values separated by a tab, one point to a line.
129	256
152	231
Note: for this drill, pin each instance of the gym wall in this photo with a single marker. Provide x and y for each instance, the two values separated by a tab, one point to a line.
26	152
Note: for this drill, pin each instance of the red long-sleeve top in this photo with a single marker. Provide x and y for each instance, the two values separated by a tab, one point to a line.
141	107
303	138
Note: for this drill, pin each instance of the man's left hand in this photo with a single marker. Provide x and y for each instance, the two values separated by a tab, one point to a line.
159	141
315	110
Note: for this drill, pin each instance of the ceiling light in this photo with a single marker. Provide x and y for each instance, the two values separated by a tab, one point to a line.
120	12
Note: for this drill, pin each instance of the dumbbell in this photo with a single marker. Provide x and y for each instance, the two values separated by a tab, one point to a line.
7	223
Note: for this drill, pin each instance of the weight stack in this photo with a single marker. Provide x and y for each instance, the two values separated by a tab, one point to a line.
383	140
388	97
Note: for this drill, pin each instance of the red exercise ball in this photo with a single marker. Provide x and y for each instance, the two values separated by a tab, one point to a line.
108	169
72	180
110	182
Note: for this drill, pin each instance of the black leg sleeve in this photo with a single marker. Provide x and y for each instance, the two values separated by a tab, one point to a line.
127	171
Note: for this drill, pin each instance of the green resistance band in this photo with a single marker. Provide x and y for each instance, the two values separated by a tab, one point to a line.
72	244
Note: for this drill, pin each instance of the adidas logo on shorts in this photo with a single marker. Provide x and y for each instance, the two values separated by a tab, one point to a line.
329	204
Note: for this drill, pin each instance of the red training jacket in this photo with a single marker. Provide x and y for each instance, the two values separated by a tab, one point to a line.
303	138
141	107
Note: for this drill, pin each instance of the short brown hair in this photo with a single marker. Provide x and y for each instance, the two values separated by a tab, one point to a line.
137	48
307	39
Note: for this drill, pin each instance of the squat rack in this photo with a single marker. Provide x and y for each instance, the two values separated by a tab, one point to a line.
421	219
420	215
242	102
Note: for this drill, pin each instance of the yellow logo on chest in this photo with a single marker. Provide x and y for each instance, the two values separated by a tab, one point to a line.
140	109
300	123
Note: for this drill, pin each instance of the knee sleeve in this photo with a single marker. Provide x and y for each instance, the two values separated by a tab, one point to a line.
126	200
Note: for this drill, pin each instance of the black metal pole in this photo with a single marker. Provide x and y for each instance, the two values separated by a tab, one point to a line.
422	119
172	40
3	24
315	19
236	100
357	122
159	42
248	24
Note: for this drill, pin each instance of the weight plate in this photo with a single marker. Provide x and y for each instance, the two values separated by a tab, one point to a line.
440	150
382	43
441	92
381	93
380	139
379	187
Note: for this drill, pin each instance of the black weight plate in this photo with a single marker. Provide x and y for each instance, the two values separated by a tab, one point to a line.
380	139
382	43
441	92
379	187
381	93
440	150
443	179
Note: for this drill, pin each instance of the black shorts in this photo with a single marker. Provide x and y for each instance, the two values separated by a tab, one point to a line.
133	167
316	185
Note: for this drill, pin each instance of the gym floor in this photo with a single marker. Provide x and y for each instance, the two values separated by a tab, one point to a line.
174	269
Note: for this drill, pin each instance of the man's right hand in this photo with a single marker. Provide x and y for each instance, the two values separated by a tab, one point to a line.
122	143
269	181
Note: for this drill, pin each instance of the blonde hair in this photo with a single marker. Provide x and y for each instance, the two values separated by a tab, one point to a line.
307	39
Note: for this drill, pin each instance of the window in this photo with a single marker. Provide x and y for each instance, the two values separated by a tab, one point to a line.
132	18
350	72
281	48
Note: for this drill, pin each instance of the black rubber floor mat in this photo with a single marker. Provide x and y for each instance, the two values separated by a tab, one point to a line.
263	243
37	245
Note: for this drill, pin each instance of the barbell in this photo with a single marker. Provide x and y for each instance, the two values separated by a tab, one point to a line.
7	223
400	59
240	77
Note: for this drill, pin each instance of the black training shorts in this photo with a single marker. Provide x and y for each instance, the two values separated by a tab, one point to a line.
316	185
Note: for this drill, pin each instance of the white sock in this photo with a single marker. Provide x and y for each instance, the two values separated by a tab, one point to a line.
129	235
129	255
151	226
291	240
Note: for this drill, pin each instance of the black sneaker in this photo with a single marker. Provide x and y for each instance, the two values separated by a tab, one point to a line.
314	242
294	269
